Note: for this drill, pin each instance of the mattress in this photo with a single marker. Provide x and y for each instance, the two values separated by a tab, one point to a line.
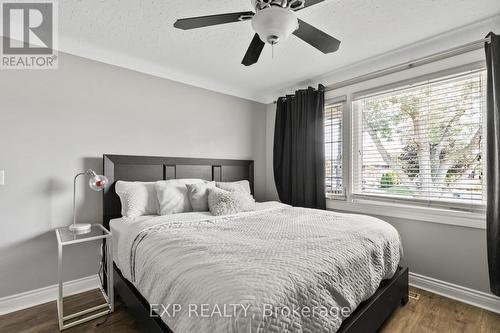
277	269
121	226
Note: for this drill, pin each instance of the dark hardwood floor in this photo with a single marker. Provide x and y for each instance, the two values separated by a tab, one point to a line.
437	314
431	313
43	318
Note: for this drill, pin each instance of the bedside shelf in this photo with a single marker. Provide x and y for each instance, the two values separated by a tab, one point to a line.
66	237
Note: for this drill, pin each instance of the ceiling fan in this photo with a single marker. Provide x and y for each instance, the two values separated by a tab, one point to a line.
273	21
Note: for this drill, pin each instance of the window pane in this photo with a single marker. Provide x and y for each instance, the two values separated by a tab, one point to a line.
333	148
424	141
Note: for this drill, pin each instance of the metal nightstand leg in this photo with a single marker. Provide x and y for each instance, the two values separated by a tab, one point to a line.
60	310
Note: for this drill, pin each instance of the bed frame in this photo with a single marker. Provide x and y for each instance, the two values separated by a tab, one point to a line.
367	318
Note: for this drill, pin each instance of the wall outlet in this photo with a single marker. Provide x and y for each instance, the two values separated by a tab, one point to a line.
2	177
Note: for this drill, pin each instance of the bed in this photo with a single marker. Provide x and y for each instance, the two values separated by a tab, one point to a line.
267	266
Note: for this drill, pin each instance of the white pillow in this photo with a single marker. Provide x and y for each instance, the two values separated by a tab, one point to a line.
221	202
173	195
242	185
198	195
137	198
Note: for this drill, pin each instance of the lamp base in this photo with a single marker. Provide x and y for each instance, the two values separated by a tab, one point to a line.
80	227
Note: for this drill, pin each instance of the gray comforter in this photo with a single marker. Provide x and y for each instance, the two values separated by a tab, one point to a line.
278	269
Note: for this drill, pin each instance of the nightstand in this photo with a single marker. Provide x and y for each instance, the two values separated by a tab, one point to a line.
66	237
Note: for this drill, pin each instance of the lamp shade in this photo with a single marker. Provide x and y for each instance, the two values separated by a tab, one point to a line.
274	24
98	182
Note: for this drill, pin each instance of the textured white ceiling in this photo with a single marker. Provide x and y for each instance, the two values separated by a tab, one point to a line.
140	35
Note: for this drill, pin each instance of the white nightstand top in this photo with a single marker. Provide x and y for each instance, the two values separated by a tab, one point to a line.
66	236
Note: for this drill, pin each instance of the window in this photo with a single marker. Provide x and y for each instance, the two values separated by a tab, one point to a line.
333	148
422	142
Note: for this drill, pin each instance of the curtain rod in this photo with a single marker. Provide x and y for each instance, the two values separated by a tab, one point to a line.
455	51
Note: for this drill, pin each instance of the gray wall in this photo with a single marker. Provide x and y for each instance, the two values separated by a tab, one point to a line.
54	124
448	253
271	193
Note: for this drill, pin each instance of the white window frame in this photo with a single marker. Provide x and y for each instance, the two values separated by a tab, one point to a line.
345	153
459	215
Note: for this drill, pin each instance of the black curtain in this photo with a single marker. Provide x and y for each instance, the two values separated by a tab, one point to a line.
299	151
493	161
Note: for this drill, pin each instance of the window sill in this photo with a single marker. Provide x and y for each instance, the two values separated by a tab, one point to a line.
434	215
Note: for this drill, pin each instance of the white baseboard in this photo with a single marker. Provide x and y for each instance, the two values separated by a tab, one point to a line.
47	294
465	295
31	298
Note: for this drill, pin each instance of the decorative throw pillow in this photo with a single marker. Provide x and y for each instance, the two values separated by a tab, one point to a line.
221	202
173	195
137	198
198	195
242	185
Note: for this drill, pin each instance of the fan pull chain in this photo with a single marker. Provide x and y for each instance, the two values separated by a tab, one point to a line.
272	51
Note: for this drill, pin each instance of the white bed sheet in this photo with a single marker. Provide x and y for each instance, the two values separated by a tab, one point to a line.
120	227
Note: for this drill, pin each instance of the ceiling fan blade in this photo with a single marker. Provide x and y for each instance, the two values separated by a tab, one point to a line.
205	21
254	51
309	3
317	38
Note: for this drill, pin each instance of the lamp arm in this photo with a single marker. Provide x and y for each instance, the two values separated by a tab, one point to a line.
74	194
91	173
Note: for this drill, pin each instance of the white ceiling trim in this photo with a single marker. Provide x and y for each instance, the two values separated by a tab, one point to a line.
421	48
424	47
107	56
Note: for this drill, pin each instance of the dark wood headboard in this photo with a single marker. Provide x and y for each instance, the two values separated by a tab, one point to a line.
153	168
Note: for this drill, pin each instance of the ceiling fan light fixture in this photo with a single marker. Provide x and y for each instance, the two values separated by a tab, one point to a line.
274	24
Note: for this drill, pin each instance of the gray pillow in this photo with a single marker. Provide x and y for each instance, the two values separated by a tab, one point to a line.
198	195
221	202
242	185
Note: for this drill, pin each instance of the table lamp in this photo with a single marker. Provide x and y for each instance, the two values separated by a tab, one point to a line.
97	183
